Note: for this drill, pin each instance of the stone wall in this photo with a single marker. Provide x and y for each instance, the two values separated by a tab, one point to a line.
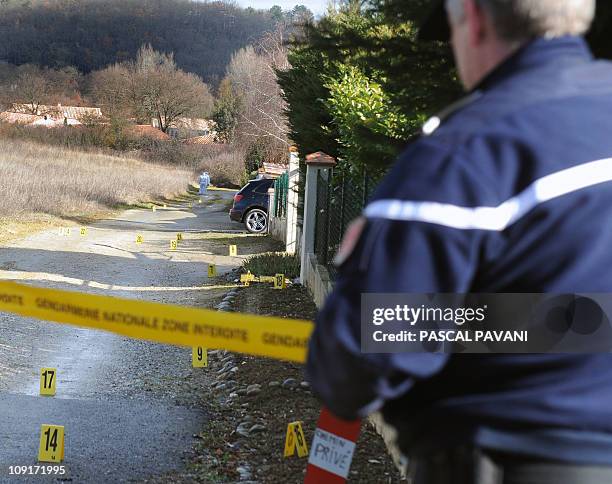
317	280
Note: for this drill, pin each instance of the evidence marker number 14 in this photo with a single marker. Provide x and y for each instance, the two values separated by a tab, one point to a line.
51	447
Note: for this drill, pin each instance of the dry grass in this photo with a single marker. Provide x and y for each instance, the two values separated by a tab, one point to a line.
39	179
225	163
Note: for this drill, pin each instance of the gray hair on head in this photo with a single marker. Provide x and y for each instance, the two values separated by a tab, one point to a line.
517	20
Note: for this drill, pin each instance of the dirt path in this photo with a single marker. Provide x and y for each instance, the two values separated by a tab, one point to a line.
129	407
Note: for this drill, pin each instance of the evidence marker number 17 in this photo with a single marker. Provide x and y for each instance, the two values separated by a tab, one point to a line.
48	379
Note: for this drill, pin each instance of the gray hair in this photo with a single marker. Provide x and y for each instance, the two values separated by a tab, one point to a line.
517	20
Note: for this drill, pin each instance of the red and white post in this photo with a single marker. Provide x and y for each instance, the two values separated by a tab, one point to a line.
332	449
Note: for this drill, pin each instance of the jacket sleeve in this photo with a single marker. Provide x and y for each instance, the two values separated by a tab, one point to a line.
390	256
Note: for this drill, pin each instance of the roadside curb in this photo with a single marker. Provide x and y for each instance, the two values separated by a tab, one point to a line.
224	383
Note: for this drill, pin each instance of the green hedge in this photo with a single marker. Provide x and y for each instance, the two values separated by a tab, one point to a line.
271	263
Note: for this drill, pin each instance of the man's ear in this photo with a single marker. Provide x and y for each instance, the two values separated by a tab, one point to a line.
477	21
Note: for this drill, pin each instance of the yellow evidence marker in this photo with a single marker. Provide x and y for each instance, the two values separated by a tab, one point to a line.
51	447
295	440
48	378
212	270
139	239
179	236
153	207
199	357
279	281
83	232
173	245
233	250
248	277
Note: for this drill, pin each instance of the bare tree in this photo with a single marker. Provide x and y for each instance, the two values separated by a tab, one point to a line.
252	71
31	88
160	90
151	87
110	88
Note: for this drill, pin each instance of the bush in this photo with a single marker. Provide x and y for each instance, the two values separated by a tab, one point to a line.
72	137
255	156
271	263
224	164
170	152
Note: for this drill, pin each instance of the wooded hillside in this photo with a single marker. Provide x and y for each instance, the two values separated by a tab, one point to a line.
91	34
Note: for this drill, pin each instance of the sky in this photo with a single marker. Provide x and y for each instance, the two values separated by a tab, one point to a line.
317	6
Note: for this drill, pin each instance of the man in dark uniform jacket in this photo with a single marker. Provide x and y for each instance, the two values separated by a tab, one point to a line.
509	191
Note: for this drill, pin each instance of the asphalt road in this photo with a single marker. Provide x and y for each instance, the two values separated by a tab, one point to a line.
129	407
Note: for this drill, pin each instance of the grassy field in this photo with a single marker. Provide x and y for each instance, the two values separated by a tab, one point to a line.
39	179
224	162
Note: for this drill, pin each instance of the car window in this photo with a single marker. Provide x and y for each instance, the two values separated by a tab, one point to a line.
248	188
263	187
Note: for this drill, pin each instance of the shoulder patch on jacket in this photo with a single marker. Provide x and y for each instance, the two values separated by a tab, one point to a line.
349	241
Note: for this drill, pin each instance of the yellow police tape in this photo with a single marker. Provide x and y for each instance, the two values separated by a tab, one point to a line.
280	338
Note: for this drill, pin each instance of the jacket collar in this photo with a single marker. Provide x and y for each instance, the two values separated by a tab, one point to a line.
538	53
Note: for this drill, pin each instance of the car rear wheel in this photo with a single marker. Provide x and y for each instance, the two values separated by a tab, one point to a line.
256	221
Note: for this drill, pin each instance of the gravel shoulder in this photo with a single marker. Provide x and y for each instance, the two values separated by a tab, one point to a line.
250	401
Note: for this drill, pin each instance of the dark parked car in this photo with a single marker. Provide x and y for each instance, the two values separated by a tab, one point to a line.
251	205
